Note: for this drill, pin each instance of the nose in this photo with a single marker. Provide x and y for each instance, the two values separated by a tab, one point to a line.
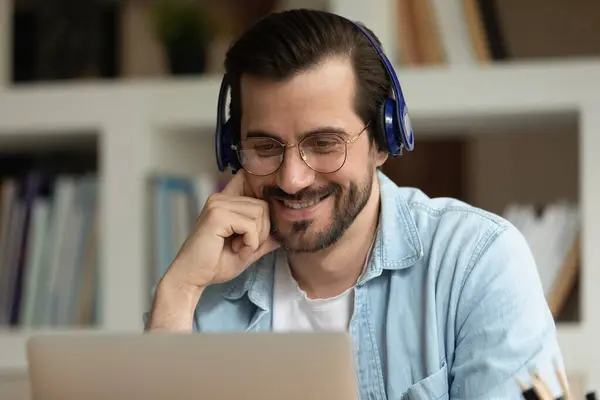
294	175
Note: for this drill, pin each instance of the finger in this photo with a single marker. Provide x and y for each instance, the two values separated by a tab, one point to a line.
266	223
263	226
238	199
230	223
255	211
237	244
266	247
247	208
247	256
236	185
267	244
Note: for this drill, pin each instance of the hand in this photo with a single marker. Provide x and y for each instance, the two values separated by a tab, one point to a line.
232	232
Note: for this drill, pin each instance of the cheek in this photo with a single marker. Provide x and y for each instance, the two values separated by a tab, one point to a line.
256	185
342	178
358	159
350	172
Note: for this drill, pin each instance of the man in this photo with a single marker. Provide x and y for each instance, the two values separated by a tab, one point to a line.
442	299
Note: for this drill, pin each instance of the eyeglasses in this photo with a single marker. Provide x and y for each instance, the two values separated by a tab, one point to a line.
324	153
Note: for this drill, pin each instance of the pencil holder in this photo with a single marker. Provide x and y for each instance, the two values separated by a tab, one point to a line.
539	390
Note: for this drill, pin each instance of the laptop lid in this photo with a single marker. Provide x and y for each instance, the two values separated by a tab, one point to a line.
192	366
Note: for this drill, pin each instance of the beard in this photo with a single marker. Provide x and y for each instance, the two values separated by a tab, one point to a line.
300	238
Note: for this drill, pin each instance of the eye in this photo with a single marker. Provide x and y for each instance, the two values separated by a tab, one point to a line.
262	147
323	143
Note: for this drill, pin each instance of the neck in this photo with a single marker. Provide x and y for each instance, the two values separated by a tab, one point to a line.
332	271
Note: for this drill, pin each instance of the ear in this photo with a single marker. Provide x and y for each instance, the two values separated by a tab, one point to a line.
380	158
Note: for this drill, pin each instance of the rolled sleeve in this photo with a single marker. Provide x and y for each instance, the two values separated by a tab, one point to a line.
505	329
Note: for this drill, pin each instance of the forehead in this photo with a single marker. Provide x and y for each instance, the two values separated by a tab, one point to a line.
320	96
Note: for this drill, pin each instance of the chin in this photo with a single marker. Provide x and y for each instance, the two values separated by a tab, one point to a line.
309	235
305	237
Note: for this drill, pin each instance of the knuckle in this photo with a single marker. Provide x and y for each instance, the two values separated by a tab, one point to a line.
264	206
258	211
212	198
251	210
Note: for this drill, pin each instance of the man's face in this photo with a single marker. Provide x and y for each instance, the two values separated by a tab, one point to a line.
310	210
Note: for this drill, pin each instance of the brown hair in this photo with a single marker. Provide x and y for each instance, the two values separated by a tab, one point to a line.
285	43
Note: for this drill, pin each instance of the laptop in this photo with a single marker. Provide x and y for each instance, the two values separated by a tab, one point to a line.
228	366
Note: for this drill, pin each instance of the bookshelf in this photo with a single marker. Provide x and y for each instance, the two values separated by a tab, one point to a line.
147	126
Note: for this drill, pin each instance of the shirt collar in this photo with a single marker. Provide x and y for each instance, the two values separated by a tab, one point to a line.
397	245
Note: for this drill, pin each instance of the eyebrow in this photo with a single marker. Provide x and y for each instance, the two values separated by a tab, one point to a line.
321	129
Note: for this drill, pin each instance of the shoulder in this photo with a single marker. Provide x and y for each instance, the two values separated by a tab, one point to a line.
442	217
455	228
461	226
473	237
459	242
450	216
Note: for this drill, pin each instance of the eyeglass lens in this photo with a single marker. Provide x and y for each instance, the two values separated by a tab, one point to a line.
324	153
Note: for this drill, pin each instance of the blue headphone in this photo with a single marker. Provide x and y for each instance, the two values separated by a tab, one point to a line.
395	132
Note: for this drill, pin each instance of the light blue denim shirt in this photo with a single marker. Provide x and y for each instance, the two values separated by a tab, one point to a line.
449	307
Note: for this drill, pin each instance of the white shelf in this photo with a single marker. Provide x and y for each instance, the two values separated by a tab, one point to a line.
438	98
459	96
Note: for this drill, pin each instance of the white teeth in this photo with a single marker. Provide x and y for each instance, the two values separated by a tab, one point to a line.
299	206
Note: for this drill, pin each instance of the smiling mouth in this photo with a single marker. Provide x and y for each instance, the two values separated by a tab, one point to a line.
299	205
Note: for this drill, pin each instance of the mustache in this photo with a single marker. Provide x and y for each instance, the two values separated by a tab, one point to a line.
305	194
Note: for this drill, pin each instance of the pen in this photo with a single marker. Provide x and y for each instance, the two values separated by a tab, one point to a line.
541	389
563	382
527	392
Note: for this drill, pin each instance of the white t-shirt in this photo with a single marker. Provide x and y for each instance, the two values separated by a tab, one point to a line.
293	310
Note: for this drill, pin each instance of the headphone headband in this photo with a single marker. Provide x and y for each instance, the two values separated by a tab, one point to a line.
395	126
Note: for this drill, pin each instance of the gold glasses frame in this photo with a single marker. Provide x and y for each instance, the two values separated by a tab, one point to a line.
298	144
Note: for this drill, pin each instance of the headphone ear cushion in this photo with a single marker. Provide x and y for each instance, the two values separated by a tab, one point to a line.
391	128
226	156
379	129
233	156
221	165
408	136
